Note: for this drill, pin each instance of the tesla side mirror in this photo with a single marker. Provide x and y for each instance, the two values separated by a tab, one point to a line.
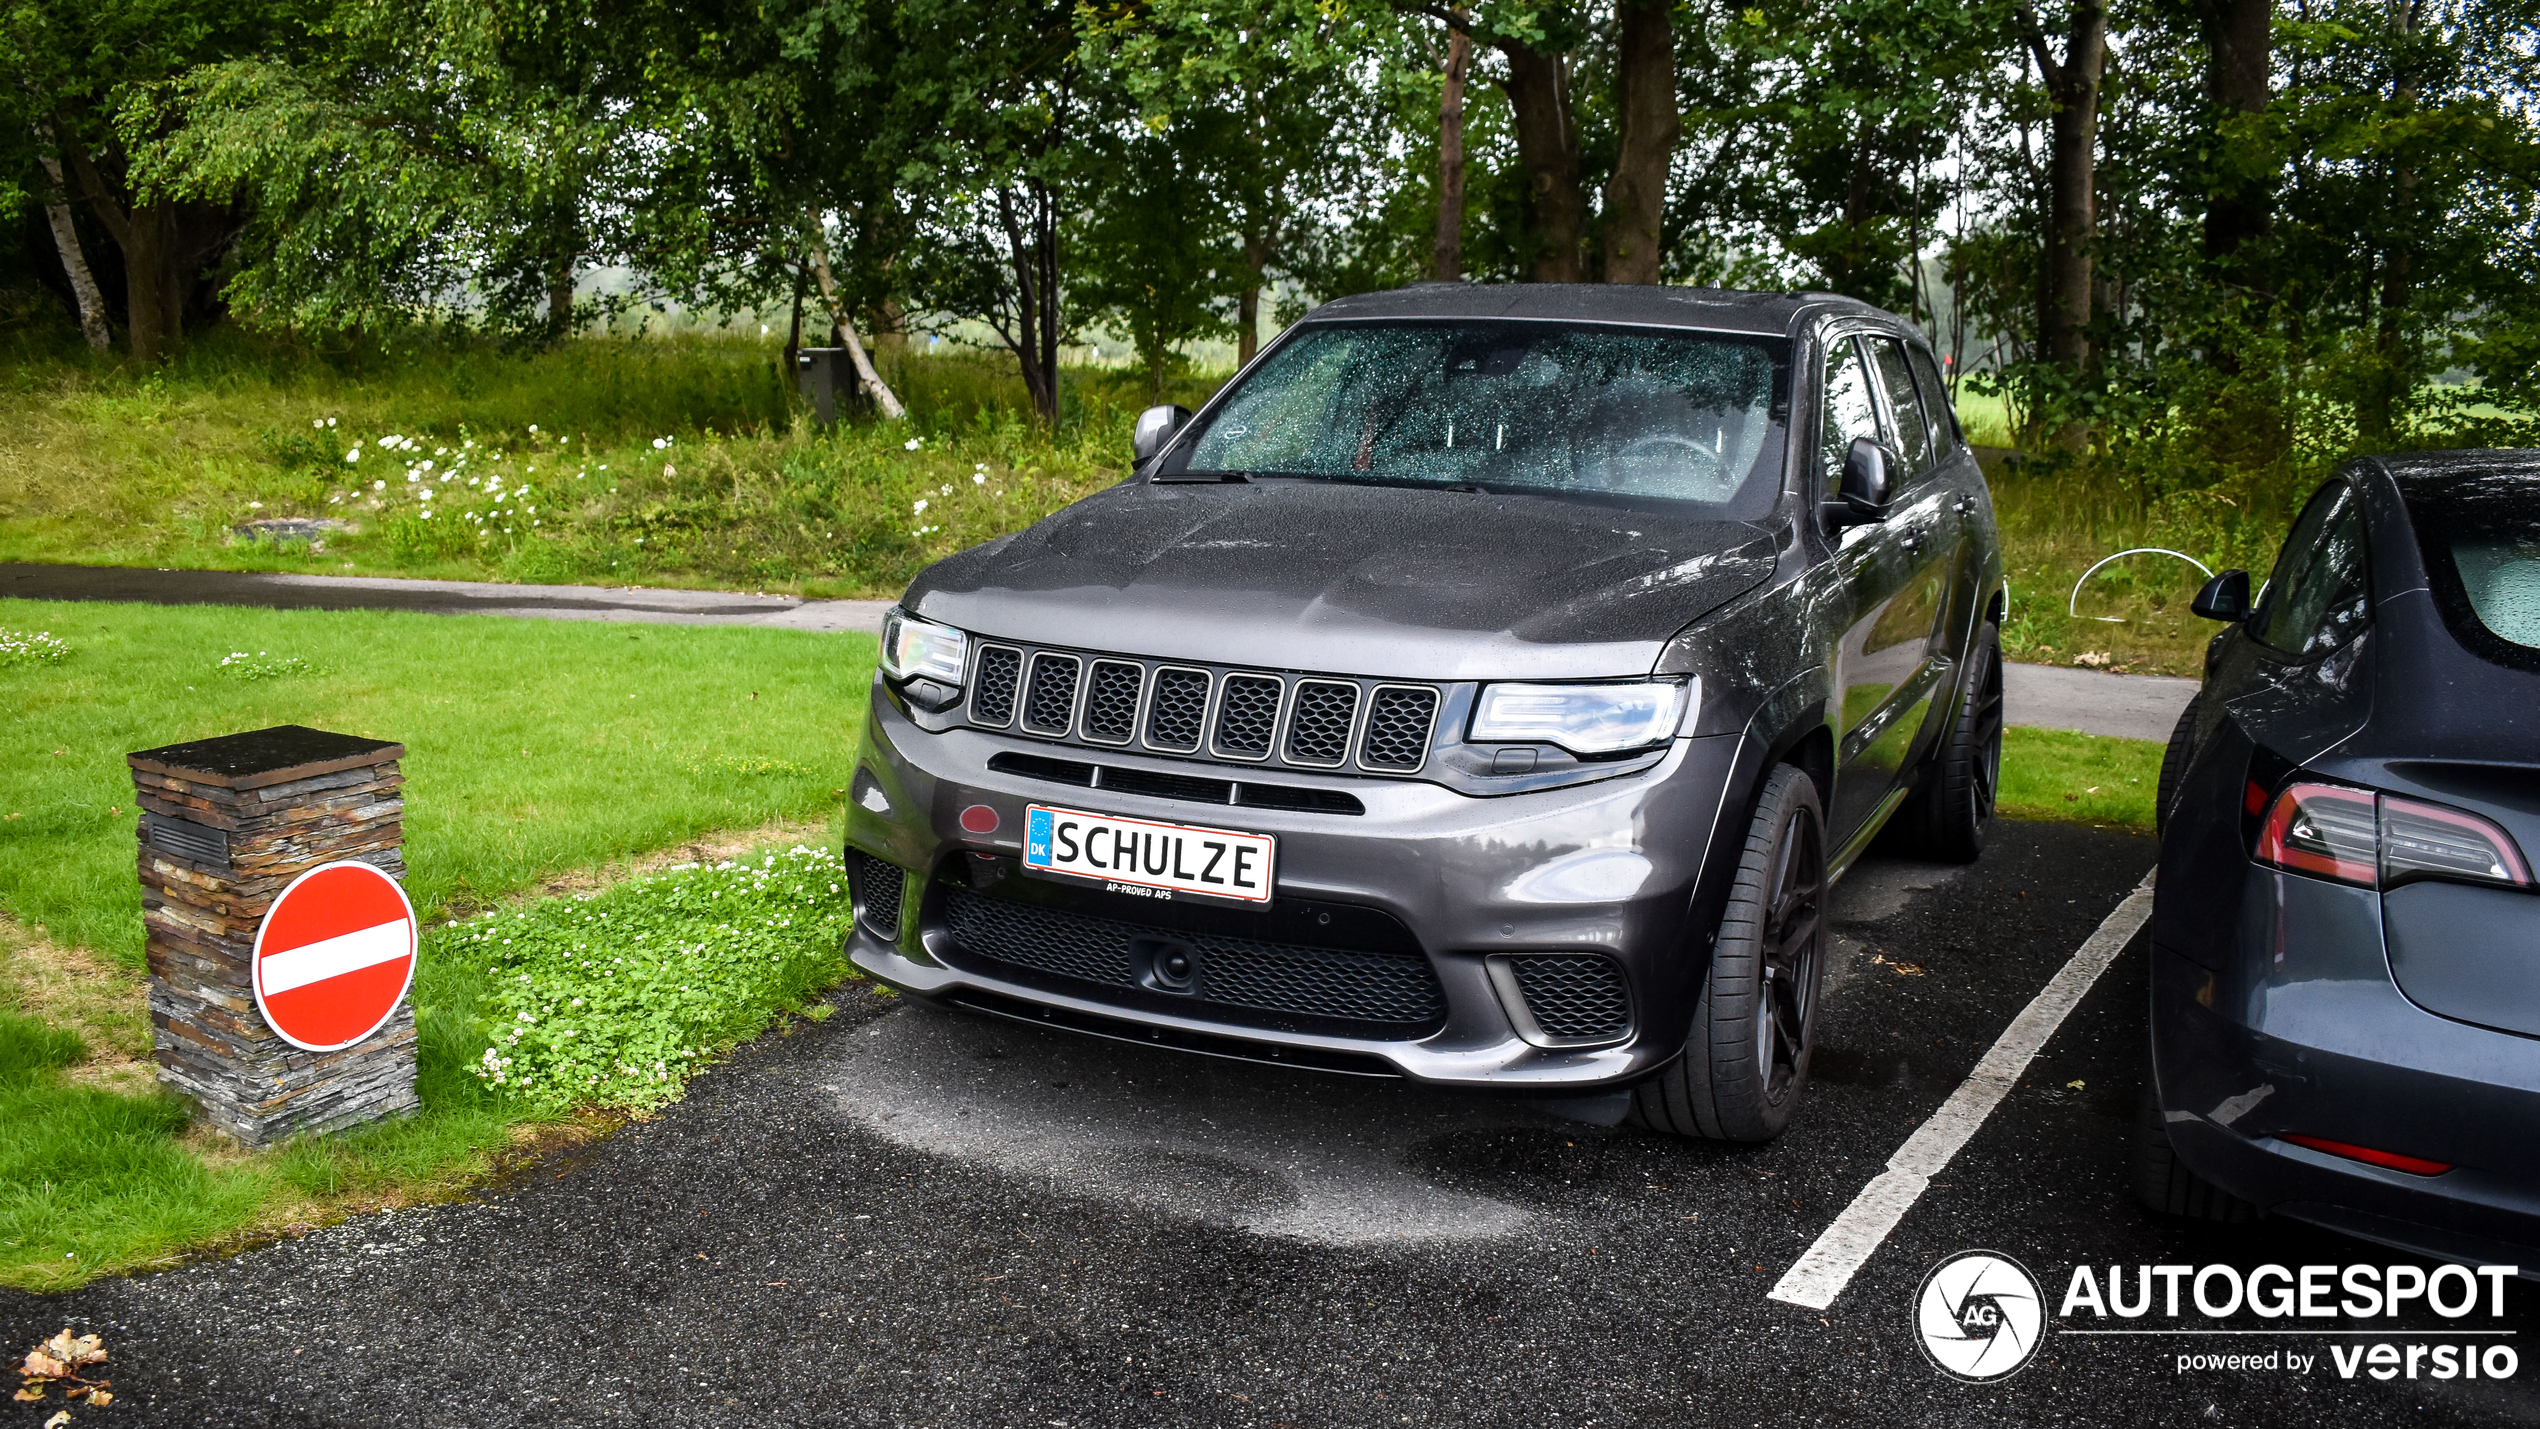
1869	484
2224	598
1156	426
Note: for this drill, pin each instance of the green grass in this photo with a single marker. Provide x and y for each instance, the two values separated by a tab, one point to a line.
2079	778
531	745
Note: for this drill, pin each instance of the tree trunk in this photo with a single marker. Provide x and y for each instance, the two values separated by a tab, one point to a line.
560	299
1248	303
1538	88
1032	240
57	211
1446	255
142	234
1645	97
2065	296
845	326
2238	81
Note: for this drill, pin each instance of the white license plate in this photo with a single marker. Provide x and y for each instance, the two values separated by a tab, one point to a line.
1146	859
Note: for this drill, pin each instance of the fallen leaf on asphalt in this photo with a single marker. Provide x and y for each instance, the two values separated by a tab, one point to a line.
44	1366
2074	1084
87	1349
60	1418
29	1395
99	1399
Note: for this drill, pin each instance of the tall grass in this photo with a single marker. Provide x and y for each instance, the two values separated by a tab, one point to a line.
102	464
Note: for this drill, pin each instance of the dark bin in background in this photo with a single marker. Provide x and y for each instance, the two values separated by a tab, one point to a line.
826	376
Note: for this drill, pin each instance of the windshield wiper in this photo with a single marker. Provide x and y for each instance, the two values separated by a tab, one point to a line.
1201	478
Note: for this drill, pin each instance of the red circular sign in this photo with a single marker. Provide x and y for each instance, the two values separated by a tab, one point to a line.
979	819
334	956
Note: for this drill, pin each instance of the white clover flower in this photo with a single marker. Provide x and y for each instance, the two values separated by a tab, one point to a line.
330	421
920	508
911	444
379	486
412	478
320	424
354	455
946	491
391	440
423	466
255	506
978	479
658	444
440	451
668	470
533	426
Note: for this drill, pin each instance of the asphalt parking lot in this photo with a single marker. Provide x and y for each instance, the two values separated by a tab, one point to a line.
901	1216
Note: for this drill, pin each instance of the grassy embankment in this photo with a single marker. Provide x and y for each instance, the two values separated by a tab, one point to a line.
541	756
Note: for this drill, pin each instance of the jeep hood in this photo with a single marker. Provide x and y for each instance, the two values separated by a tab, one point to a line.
1358	580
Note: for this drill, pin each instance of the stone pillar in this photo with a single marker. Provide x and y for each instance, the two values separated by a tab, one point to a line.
226	824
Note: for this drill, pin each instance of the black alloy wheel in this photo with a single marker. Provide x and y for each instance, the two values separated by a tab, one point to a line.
1793	940
1745	1059
1954	806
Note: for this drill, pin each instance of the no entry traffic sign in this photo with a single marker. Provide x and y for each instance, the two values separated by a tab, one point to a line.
334	956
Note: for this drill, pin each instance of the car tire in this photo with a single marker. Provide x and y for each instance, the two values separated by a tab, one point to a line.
2182	748
1745	1061
1950	813
2163	1183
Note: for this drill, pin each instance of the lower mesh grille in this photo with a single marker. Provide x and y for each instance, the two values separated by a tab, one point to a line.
1393	989
877	893
1574	996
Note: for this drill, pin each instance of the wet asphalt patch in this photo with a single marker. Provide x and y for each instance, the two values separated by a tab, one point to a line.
902	1216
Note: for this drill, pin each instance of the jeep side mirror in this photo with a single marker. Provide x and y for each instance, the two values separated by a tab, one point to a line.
1156	426
1869	484
2224	598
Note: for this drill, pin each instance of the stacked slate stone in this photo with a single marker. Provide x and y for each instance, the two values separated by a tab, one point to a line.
226	824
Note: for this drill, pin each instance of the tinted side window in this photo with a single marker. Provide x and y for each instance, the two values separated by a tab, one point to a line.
2319	596
1849	412
1913	433
1946	438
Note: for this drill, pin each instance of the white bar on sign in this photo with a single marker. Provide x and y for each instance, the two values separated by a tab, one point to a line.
334	957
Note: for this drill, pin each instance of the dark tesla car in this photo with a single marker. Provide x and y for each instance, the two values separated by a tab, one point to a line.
1483	688
2346	937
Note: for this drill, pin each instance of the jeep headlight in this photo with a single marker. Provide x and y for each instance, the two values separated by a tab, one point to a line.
1583	719
921	649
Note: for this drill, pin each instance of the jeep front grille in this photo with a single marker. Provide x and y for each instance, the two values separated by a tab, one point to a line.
1234	716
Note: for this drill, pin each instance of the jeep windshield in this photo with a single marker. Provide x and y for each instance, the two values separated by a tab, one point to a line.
1513	406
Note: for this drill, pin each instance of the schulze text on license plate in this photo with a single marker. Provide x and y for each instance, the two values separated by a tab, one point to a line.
1147	859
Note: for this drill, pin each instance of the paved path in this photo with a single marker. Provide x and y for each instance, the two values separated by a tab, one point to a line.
902	1216
2048	696
2127	706
550	602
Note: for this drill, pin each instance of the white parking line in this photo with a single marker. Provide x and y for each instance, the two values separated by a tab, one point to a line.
1820	1275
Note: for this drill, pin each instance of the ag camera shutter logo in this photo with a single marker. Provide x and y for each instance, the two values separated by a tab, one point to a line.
1980	1316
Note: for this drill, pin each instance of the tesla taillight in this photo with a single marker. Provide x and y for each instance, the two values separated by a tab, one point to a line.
2420	840
2324	830
2372	1156
2381	840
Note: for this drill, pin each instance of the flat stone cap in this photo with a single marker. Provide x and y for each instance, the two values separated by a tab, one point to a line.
265	756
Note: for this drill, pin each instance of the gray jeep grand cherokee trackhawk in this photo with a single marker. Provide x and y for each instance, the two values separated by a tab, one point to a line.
1483	688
